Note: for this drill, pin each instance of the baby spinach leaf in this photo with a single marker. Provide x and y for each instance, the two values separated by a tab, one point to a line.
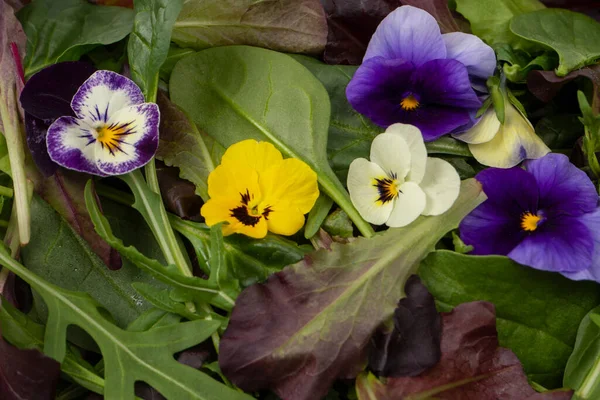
128	356
583	369
65	30
182	145
472	366
490	19
149	41
295	26
63	258
175	54
537	312
310	323
575	37
250	260
238	92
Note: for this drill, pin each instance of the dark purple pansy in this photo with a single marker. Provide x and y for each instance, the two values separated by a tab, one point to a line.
113	131
413	74
545	216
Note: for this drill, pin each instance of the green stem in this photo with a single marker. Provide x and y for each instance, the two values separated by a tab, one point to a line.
6	191
338	194
16	155
589	383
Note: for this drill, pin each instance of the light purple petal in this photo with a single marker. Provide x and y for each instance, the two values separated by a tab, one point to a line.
445	82
377	87
104	93
71	144
136	141
564	188
478	57
407	33
562	244
592	273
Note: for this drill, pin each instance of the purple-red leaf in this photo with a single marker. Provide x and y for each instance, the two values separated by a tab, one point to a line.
26	374
545	85
472	366
351	24
414	344
179	195
311	323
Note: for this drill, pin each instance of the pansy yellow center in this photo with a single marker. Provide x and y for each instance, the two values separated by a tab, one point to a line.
409	103
250	211
530	221
388	189
112	137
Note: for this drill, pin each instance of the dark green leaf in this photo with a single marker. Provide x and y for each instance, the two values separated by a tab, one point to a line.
65	30
317	215
149	42
538	312
63	258
575	37
559	131
175	54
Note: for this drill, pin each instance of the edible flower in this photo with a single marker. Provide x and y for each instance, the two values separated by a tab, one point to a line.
113	131
401	182
504	145
545	216
413	74
255	190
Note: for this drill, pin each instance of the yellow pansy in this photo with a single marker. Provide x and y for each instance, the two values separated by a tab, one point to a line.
255	190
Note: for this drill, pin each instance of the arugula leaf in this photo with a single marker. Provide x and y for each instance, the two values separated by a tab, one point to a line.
65	30
149	41
295	26
128	356
250	260
12	38
262	95
193	287
310	323
538	312
60	256
574	36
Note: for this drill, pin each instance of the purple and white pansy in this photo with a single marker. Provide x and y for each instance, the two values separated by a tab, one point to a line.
114	131
413	74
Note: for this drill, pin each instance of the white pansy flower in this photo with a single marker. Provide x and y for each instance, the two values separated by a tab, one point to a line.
401	182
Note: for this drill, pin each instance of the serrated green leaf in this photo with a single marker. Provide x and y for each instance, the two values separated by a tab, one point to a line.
128	356
196	288
250	260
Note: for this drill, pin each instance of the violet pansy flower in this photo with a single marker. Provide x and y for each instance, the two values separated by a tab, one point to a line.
114	131
545	216
413	74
